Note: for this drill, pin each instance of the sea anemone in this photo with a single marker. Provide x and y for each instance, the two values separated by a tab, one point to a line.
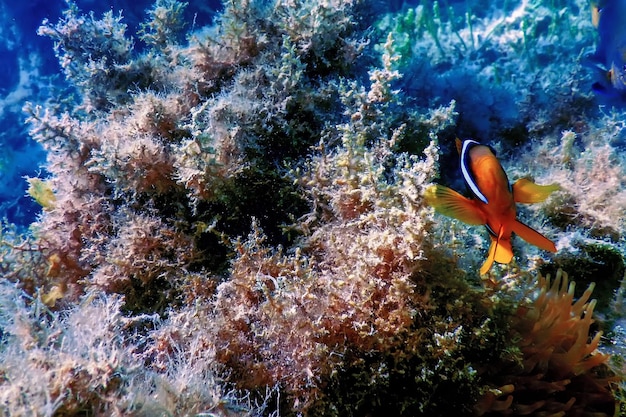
561	371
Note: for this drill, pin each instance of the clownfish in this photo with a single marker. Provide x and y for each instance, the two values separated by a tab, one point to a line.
493	202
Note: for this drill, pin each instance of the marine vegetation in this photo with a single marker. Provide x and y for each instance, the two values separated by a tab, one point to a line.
236	219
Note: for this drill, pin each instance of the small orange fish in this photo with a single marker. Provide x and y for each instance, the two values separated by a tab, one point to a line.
494	201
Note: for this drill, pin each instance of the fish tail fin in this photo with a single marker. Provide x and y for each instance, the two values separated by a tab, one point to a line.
525	191
500	251
533	237
452	204
504	252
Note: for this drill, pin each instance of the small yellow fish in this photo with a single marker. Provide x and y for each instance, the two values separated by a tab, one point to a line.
41	192
493	202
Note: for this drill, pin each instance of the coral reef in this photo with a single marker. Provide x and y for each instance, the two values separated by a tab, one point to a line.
233	217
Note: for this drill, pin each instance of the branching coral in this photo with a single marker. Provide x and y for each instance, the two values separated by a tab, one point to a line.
273	332
137	155
592	180
127	156
561	370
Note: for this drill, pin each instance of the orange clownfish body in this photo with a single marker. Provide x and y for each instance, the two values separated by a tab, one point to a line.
494	201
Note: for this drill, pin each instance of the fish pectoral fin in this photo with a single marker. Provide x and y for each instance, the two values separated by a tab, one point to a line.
452	204
525	191
533	237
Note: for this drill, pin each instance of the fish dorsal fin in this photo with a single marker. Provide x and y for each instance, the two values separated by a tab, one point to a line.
527	192
467	172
